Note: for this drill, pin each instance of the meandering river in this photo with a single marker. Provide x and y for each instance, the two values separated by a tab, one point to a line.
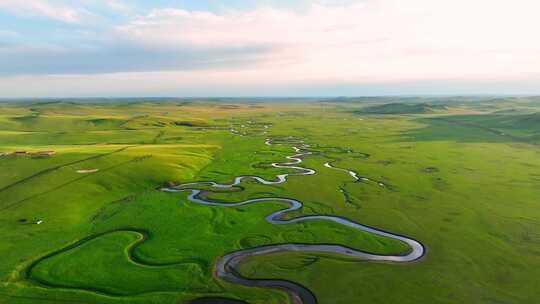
226	266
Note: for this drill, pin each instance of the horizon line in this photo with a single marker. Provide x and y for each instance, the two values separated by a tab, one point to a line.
275	97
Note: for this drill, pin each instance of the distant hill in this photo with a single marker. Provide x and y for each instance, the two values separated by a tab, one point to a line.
402	108
532	119
523	121
518	127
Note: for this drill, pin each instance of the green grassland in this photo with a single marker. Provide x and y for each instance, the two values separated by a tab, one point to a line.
402	108
462	177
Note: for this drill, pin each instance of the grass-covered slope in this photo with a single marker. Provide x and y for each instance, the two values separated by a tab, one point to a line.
401	108
485	127
454	182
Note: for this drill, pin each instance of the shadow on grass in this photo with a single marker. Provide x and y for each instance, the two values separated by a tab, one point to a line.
487	128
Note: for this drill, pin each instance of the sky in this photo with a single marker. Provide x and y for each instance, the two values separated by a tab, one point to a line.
191	48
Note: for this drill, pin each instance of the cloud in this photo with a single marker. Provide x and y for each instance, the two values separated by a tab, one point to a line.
8	34
53	59
264	25
323	42
45	9
360	39
176	39
119	6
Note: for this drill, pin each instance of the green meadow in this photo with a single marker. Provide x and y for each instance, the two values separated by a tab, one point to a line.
89	224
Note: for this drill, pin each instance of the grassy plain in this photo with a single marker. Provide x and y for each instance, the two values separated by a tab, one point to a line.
464	180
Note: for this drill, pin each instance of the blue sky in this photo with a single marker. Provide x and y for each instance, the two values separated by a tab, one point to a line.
267	48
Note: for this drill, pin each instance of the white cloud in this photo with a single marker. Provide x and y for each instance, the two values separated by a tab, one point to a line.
8	34
360	39
119	6
326	42
261	26
47	9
